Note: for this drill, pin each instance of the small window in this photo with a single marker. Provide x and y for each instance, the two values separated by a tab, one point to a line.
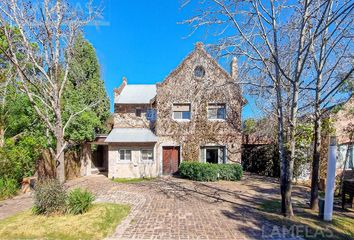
125	155
138	112
216	111
181	111
199	72
147	154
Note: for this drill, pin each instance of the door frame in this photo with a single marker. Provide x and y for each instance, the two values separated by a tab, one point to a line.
161	154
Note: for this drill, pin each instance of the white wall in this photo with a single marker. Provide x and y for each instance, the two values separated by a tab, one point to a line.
136	168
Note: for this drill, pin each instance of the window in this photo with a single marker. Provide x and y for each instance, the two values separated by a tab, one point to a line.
181	111
199	72
147	154
213	154
138	112
345	156
125	155
216	111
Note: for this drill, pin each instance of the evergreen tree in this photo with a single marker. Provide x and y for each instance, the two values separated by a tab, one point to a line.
85	88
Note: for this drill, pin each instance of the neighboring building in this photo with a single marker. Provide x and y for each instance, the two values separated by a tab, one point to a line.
342	120
193	115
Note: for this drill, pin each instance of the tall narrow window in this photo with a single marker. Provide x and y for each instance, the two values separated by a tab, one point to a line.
216	111
181	111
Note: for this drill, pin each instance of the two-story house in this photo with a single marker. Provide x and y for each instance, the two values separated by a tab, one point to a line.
194	114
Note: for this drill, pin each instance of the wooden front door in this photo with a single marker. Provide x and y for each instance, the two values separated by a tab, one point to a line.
170	160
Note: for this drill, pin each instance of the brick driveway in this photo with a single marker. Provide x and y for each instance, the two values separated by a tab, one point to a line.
172	208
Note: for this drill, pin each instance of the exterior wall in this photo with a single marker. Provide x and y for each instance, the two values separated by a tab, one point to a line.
136	168
124	116
217	86
343	122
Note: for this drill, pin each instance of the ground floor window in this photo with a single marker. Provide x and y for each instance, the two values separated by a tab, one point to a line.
125	155
147	154
345	156
213	154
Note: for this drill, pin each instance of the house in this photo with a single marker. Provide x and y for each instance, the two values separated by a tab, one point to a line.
194	114
342	121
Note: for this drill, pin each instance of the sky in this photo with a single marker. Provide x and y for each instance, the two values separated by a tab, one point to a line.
144	41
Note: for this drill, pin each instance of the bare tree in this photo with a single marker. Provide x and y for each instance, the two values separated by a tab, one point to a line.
47	31
274	40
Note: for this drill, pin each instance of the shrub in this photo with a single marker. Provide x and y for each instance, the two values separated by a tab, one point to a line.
230	172
49	197
210	172
199	171
79	201
8	187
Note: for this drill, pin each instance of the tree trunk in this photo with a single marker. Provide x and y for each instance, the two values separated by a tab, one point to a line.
60	161
2	136
316	162
60	144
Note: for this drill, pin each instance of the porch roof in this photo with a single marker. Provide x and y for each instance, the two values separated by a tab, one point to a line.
131	135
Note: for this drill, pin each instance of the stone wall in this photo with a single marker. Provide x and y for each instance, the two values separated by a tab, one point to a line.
217	86
125	117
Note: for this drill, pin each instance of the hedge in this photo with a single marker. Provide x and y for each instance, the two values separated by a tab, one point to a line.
209	172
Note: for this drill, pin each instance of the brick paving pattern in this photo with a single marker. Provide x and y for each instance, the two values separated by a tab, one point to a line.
172	208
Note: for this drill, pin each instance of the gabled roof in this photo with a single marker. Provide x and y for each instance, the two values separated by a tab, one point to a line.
198	48
136	94
130	135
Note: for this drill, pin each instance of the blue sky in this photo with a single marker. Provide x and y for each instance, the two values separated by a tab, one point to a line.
143	41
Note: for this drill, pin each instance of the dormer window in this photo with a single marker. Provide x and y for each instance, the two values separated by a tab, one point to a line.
181	111
199	71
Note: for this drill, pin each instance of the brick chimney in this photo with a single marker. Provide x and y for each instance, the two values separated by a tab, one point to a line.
234	68
117	91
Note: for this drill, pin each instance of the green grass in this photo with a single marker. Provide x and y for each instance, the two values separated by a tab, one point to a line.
131	180
99	222
341	228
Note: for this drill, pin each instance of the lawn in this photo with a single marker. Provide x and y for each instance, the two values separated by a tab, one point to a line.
307	223
99	222
131	180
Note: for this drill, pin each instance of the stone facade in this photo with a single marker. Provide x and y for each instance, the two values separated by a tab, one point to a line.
212	85
216	86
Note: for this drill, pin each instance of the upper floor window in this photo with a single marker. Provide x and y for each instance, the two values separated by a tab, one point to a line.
199	71
147	154
181	111
125	155
216	111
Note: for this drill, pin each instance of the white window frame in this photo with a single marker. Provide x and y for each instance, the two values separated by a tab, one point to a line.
119	160
211	146
217	119
182	119
147	160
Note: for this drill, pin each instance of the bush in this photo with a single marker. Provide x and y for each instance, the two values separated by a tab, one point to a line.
210	172
230	172
49	197
199	171
8	187
79	201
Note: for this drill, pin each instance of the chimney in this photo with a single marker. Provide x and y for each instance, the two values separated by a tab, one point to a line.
118	91
199	45
234	68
